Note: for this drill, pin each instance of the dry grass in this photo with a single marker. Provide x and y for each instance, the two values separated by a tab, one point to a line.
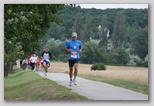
134	74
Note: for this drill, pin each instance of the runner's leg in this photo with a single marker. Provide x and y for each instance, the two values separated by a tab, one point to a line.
44	66
70	73
75	70
71	62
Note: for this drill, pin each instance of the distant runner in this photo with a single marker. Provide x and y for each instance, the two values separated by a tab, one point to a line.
33	61
74	48
46	56
29	66
38	63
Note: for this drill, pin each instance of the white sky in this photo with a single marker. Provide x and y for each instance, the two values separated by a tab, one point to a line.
105	6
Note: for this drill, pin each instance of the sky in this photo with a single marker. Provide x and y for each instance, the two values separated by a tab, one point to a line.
105	6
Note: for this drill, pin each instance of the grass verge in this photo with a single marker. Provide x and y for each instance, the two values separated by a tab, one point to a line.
25	85
120	83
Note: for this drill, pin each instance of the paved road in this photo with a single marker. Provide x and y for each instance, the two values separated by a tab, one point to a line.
95	90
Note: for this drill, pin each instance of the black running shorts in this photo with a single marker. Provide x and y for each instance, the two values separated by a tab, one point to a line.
72	62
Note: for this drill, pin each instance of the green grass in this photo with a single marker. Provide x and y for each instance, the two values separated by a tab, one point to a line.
120	83
25	85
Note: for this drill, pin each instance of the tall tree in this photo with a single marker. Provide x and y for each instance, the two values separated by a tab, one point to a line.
78	24
119	29
86	32
103	32
140	43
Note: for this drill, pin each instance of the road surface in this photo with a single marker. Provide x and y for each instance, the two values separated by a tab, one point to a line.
95	90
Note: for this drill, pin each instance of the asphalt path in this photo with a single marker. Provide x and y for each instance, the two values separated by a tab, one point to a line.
95	90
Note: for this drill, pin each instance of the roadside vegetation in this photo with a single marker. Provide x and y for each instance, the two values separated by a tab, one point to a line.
25	85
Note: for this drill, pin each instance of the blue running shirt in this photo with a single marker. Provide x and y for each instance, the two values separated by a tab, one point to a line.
75	47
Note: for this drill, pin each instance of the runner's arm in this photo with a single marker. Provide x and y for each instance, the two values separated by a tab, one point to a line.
42	54
66	48
80	50
80	47
50	56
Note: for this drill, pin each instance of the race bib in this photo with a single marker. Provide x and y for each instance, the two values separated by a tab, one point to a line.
74	54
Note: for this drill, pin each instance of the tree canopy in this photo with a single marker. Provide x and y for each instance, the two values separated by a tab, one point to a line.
24	27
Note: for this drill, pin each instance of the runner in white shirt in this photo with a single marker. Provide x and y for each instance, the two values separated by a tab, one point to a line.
33	61
46	56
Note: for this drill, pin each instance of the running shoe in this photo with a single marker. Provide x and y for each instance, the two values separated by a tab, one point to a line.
74	81
70	84
45	73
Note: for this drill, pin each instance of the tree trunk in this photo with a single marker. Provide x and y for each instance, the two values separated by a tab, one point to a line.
10	67
6	69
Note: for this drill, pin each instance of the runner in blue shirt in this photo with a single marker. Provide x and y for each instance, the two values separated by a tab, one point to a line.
74	48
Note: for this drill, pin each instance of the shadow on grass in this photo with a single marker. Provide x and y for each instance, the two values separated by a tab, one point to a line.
16	73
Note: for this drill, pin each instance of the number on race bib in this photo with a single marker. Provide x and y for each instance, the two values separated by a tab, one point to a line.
74	54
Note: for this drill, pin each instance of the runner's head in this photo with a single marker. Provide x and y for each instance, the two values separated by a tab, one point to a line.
47	49
74	36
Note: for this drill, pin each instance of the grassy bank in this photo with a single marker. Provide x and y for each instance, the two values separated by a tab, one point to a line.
121	83
24	85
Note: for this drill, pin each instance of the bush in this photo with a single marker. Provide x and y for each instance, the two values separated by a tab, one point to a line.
98	66
142	63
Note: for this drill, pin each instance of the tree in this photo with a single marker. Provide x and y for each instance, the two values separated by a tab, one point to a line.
86	32
140	43
14	52
103	32
120	57
78	24
26	24
119	30
92	53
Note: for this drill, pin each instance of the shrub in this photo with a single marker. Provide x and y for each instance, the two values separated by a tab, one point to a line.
98	66
142	63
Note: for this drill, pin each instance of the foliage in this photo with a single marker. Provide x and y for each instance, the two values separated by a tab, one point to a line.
140	43
98	66
119	29
103	28
142	63
24	27
120	57
57	49
13	48
28	23
133	60
92	53
79	19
